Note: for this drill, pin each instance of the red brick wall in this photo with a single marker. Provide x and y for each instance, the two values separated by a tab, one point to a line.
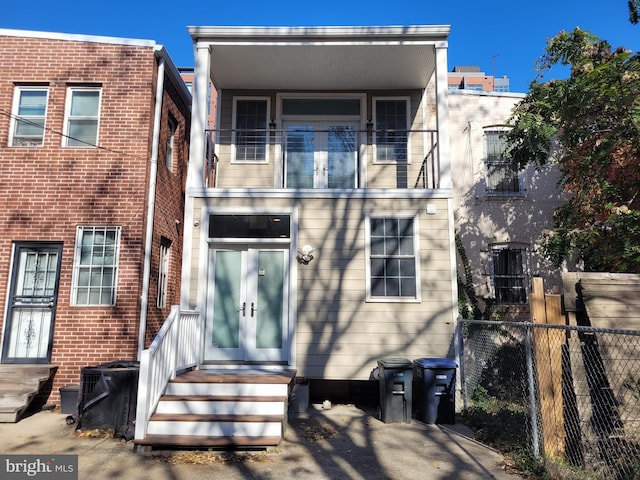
48	191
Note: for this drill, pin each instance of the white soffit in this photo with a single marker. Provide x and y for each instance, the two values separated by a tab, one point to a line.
321	58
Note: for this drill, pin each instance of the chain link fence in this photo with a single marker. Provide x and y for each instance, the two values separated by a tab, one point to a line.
566	394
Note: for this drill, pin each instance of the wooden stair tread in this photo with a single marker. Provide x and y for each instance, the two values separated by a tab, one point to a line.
208	441
201	376
212	417
222	398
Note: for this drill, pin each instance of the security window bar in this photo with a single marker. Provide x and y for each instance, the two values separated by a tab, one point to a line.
29	114
392	257
83	112
503	178
251	130
391	130
95	265
163	272
509	276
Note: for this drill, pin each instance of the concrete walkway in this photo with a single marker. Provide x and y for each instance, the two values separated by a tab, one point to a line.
341	443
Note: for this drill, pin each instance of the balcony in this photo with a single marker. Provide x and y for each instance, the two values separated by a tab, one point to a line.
339	157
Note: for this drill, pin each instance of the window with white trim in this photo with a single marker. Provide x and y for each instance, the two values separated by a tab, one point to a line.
509	274
163	272
28	117
250	129
82	117
393	260
503	178
391	122
95	266
172	126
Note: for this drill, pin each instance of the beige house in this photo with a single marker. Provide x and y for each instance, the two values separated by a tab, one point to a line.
500	213
319	231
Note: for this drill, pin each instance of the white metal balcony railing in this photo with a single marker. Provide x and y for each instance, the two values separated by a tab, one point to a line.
174	349
305	157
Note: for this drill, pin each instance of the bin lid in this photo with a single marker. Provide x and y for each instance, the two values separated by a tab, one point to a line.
394	362
435	363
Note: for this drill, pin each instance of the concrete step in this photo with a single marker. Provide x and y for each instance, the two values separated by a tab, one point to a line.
19	385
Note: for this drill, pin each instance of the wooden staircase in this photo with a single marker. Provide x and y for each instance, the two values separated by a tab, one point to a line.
19	386
221	409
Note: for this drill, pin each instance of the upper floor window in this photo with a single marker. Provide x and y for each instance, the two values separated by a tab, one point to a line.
393	259
509	274
250	129
82	117
95	266
28	116
391	124
503	178
172	126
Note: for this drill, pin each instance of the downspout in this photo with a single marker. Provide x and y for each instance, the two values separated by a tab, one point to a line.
153	173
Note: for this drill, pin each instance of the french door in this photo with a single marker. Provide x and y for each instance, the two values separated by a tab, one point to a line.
247	305
321	154
33	295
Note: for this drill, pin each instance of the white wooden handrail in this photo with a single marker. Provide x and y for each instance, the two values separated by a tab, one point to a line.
177	347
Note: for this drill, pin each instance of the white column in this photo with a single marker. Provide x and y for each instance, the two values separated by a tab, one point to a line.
442	116
197	159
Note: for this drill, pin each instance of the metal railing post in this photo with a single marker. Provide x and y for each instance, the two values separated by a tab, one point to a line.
532	393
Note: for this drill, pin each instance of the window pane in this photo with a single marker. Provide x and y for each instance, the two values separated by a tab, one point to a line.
32	102
391	130
85	103
82	132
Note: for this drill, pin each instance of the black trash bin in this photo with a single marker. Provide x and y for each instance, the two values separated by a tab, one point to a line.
396	383
108	398
434	390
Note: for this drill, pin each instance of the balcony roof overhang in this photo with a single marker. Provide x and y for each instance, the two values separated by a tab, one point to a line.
321	58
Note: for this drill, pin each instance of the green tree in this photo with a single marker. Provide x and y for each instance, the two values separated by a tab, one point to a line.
590	124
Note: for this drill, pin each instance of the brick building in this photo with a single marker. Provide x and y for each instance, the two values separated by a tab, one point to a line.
93	155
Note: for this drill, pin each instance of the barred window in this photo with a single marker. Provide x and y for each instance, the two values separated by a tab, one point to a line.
95	266
509	274
503	178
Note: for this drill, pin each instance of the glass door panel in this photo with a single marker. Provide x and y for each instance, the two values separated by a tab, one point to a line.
321	154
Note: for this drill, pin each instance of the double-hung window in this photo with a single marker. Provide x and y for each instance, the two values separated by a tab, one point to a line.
503	178
509	274
28	118
391	124
250	129
95	266
392	258
82	117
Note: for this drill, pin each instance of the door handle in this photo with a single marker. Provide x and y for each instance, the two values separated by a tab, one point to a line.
253	309
243	309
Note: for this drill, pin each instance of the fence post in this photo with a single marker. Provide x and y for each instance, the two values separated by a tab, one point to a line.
548	354
535	435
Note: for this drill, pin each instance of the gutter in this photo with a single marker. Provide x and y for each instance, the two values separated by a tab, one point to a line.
153	172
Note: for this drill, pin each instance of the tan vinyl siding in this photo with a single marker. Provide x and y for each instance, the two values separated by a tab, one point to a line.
339	333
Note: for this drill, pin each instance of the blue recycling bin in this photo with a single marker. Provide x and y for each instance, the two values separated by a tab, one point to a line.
434	390
396	383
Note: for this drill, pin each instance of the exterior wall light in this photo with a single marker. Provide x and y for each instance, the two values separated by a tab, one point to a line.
304	254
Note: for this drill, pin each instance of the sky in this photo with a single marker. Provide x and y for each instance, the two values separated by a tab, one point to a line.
501	37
